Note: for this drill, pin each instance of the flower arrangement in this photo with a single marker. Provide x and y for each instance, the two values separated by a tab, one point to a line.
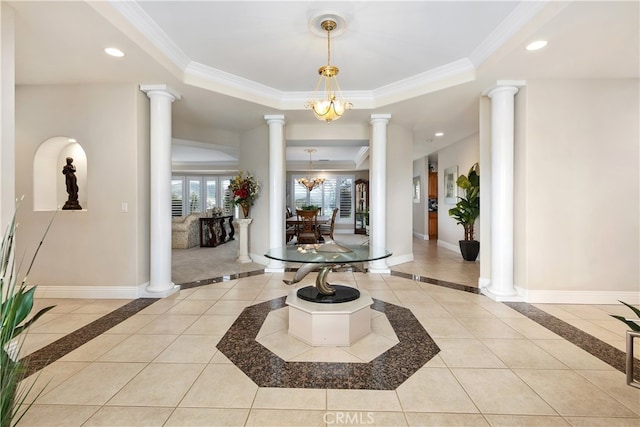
244	188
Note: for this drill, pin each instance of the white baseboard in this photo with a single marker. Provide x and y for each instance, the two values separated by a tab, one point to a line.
421	236
449	246
399	259
578	297
90	292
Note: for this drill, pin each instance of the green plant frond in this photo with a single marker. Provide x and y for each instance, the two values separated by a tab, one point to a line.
635	310
634	326
39	314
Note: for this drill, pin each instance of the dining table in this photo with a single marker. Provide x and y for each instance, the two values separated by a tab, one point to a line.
321	219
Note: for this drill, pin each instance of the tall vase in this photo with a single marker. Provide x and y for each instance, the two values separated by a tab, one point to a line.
245	209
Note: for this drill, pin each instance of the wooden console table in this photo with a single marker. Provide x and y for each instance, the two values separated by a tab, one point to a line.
215	231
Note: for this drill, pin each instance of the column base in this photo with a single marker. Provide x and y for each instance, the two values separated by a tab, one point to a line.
243	259
501	297
145	292
274	266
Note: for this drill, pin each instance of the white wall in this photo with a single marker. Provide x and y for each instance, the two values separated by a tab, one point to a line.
399	220
254	157
462	154
100	251
581	190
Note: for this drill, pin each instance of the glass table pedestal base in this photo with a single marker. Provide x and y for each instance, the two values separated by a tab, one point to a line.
338	325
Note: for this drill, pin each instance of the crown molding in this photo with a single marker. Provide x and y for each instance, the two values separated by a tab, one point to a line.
448	75
521	15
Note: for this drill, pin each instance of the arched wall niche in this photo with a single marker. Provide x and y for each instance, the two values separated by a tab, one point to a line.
49	187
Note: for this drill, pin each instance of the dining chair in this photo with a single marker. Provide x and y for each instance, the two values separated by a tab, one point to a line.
307	226
327	229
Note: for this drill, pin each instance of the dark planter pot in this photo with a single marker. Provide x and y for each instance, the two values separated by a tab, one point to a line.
469	249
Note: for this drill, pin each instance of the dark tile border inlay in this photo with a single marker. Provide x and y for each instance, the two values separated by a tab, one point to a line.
600	349
54	351
385	372
605	352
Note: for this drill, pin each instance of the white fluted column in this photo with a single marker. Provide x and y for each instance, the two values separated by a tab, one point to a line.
378	188
277	177
160	284
501	286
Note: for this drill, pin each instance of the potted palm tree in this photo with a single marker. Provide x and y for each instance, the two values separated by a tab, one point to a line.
467	210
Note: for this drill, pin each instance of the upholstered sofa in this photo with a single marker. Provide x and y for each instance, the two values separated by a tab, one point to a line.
185	231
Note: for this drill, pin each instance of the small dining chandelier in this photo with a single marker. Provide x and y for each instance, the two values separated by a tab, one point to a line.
307	181
333	105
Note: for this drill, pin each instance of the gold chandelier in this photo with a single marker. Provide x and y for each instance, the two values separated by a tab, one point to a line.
331	107
307	181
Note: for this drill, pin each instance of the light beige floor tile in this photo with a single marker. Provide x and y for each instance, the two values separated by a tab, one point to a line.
169	324
369	418
242	294
228	307
283	344
601	421
82	388
467	353
434	390
122	416
211	325
219	357
500	391
207	293
425	309
385	295
133	324
290	398
413	295
221	386
102	306
273	323
57	415
371	346
190	349
470	310
571	355
159	384
525	421
160	306
516	353
489	328
614	383
207	417
418	419
66	323
501	310
532	330
572	395
31	342
95	348
442	327
583	311
597	331
138	348
363	400
49	378
282	418
191	306
381	326
327	354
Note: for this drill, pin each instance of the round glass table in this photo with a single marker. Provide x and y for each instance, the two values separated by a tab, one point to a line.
324	257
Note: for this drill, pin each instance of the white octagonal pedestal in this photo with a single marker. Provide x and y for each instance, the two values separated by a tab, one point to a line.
337	324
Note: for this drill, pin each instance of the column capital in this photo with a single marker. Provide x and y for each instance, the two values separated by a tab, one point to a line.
274	118
160	90
378	118
512	86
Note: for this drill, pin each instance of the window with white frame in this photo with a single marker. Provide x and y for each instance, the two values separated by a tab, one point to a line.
193	194
335	192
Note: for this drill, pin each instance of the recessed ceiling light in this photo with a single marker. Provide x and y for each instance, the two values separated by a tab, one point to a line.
114	52
439	134
538	44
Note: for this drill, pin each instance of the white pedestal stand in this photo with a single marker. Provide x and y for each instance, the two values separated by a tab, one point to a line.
243	255
338	324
